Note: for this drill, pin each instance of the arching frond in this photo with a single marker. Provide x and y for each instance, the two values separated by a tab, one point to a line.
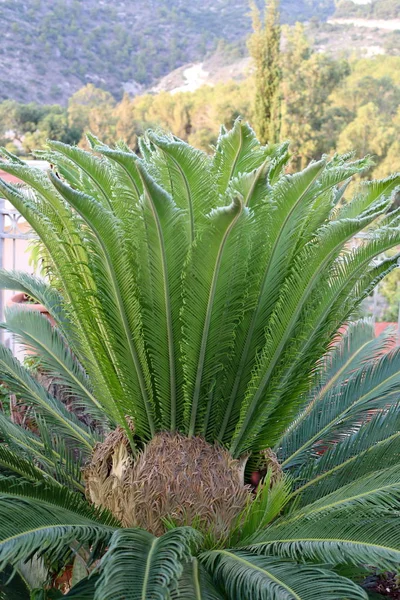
45	519
38	289
22	383
165	245
246	575
283	220
208	329
353	535
187	178
238	151
378	491
10	461
139	566
375	443
373	386
39	457
122	307
56	358
93	172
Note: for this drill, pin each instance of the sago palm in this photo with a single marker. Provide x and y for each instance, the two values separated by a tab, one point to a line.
197	302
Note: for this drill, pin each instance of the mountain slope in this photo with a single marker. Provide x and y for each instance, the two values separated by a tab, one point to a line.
48	50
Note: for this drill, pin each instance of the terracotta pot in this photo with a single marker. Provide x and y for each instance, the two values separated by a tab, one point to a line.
22	300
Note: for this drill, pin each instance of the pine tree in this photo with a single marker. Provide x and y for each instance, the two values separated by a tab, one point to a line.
264	47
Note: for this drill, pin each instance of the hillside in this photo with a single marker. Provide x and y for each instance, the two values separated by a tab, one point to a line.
337	39
48	50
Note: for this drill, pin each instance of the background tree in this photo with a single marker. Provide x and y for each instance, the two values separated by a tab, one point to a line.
308	79
92	109
264	47
127	128
367	133
390	290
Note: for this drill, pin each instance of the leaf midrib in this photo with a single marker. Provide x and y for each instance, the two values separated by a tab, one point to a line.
147	570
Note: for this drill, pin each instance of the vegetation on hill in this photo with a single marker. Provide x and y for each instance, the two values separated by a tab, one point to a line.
48	50
377	9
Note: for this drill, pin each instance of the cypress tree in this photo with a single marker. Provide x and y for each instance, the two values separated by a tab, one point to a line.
264	48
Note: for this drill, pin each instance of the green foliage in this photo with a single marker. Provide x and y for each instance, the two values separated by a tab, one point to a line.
248	575
269	501
204	294
158	563
32	124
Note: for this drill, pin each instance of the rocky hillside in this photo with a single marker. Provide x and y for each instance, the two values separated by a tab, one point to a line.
49	49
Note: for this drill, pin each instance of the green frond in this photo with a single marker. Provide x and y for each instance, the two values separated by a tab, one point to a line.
37	518
327	309
355	347
49	456
373	386
267	504
378	491
283	219
165	246
251	187
354	535
23	384
370	193
121	302
238	151
93	171
65	244
36	332
139	566
10	156
246	575
40	184
50	494
187	178
375	443
10	461
38	289
196	584
280	157
126	169
211	277
309	268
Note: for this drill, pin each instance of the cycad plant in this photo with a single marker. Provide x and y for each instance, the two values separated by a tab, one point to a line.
197	302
